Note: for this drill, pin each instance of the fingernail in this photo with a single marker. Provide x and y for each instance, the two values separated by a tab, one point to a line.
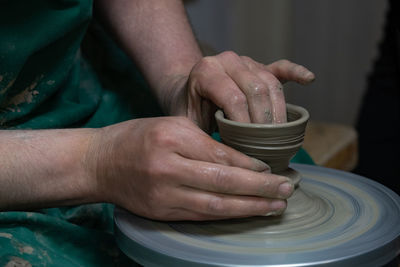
285	189
274	213
310	76
261	165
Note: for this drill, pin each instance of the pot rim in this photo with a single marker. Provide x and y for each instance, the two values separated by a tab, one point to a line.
304	116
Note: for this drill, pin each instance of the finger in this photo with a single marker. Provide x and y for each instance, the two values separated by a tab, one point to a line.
204	148
219	206
289	71
277	109
181	214
187	214
256	90
222	179
277	97
211	82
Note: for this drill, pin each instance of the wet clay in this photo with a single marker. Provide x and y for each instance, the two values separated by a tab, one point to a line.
275	144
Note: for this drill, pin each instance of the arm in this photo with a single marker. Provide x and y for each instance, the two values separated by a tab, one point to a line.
48	168
140	164
143	165
44	168
157	35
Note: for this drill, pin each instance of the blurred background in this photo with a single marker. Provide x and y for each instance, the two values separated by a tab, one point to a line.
337	40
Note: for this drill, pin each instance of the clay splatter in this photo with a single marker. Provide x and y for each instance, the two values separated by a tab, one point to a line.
6	235
26	96
16	261
26	250
268	114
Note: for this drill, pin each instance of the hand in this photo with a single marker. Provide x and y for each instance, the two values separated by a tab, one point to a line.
246	90
168	169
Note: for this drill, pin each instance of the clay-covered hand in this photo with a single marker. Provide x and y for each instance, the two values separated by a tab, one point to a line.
246	90
168	169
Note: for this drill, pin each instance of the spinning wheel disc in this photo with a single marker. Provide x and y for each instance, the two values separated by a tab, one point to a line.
334	218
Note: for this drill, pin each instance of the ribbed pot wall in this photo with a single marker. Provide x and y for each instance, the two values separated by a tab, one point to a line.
274	144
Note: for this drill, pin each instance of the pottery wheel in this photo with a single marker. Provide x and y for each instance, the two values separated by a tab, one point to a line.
334	218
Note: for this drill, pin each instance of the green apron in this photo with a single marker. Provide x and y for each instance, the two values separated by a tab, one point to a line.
46	81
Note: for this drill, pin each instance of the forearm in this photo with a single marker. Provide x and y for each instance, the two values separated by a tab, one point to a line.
157	35
45	168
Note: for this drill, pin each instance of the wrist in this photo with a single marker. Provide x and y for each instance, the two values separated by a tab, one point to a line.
174	95
94	160
76	183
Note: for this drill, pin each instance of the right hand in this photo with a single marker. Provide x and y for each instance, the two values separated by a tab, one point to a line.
168	169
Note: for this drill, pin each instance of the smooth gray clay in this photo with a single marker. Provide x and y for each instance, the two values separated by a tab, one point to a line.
274	144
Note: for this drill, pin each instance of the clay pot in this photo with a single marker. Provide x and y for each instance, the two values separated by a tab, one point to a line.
274	144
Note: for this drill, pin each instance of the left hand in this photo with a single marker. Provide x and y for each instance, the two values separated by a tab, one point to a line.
246	90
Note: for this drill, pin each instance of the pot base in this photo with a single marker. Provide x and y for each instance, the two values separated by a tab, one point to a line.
292	174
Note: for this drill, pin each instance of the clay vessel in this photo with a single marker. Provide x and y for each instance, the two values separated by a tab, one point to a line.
274	144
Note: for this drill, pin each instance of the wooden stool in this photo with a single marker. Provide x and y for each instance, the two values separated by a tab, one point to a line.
332	145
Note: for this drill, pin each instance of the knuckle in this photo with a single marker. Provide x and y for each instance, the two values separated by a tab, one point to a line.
221	181
229	54
185	121
161	136
272	83
221	155
157	168
257	89
266	187
284	62
216	205
246	58
156	165
206	62
238	100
